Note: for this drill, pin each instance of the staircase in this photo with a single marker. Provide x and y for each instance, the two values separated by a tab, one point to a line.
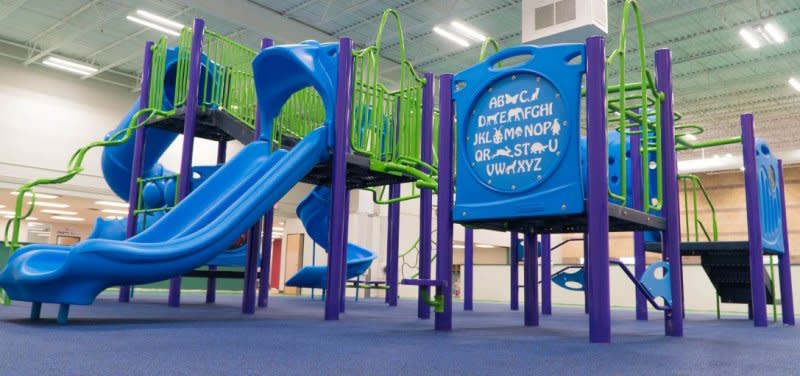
729	271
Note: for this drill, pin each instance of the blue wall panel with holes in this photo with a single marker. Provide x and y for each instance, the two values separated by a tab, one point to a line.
518	134
769	199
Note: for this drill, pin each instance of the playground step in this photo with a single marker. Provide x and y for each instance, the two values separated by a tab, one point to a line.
729	271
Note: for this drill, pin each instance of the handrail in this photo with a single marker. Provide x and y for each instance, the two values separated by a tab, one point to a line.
645	86
698	224
489	41
74	167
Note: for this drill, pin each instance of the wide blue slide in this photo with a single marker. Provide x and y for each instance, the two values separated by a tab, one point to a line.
314	212
200	227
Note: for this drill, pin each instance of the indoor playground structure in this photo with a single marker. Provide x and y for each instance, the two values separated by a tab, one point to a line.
507	136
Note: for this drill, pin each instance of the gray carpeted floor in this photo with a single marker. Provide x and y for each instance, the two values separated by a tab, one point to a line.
148	338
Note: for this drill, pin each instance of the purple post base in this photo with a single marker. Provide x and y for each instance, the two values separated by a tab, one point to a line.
468	264
531	277
547	301
784	260
514	271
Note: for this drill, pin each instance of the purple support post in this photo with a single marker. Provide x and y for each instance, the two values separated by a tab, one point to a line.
514	251
337	235
425	196
211	282
639	263
189	125
531	278
597	203
586	272
444	211
784	260
138	157
253	237
547	301
757	284
392	246
266	258
346	220
671	236
468	264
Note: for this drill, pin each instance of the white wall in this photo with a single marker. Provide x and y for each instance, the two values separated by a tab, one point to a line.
48	115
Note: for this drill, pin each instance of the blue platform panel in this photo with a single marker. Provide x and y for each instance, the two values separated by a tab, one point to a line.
518	134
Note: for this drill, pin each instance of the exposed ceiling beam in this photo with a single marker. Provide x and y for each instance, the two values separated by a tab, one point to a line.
63	21
134	35
268	23
99	21
10	8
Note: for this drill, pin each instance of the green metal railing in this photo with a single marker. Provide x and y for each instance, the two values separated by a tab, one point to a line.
691	186
632	104
386	124
302	113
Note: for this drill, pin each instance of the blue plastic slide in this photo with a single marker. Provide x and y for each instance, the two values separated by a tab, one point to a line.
314	212
200	227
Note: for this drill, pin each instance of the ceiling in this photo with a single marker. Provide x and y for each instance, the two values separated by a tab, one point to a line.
717	76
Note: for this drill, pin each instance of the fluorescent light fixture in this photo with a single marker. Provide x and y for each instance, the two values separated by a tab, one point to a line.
114	217
728	155
453	38
114	211
38	195
749	37
60	212
27	219
689	137
158	19
112	203
277	229
46	204
794	83
776	35
64	218
2	206
153	25
458	246
7	212
468	31
483	246
69	66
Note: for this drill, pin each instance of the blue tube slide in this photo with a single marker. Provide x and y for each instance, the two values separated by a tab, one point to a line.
314	212
195	231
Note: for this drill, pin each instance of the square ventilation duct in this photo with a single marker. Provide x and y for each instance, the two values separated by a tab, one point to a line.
563	21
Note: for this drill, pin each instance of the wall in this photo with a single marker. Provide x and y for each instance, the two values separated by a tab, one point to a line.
47	115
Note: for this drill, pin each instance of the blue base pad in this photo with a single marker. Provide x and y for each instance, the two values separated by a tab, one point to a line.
148	338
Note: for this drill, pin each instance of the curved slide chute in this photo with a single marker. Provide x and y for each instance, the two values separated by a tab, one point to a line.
200	227
314	212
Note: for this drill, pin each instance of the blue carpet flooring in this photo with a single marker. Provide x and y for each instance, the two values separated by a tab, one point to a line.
148	338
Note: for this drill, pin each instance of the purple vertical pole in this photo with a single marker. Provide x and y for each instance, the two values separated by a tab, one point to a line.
585	272
253	236
597	203
444	197
189	125
514	251
671	236
392	246
784	260
757	284
138	157
346	220
638	236
337	235
468	265
531	278
211	282
425	195
266	258
547	301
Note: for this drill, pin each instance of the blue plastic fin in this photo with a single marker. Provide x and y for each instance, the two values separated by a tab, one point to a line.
569	280
658	287
63	314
